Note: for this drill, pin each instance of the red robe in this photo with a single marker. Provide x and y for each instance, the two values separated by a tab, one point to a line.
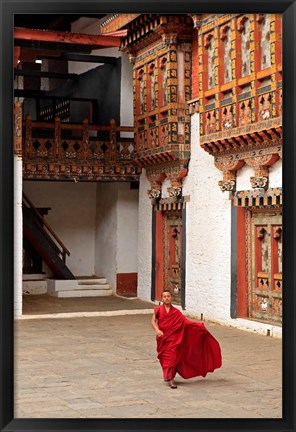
186	345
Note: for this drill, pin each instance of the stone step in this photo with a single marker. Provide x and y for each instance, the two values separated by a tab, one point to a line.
84	293
92	287
101	281
34	276
31	287
79	287
71	285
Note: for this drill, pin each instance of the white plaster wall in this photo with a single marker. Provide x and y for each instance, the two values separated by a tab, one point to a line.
72	217
208	224
244	174
144	240
106	231
243	178
116	237
18	237
127	226
276	175
82	67
90	26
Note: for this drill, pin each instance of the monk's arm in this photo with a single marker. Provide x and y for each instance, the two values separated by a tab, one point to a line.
158	332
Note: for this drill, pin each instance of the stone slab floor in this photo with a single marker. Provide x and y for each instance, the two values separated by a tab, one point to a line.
106	367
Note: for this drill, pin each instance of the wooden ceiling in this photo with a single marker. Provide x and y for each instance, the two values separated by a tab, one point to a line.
50	21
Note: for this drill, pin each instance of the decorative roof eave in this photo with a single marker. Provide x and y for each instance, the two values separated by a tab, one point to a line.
116	22
243	137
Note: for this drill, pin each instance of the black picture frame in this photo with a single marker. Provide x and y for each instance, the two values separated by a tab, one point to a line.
7	421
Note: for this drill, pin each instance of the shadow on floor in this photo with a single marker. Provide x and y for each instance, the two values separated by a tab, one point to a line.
46	304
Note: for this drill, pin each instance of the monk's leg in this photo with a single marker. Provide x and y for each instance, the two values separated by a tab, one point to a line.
169	375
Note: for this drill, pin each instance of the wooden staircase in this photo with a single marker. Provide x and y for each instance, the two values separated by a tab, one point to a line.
45	241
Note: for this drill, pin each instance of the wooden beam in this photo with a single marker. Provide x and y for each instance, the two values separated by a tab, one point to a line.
52	46
64	37
81	58
43	74
41	94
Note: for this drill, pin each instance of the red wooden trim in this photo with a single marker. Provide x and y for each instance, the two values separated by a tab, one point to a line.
126	284
159	274
241	264
64	37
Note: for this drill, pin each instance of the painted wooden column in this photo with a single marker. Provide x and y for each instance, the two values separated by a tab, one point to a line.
18	215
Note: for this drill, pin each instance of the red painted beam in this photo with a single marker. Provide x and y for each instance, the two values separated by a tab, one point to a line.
64	37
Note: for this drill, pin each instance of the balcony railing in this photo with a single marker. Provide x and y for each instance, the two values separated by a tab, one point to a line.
89	152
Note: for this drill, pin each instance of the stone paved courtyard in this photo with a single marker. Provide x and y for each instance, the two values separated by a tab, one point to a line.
106	367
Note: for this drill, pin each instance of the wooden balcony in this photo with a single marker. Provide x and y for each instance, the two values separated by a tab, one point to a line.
79	152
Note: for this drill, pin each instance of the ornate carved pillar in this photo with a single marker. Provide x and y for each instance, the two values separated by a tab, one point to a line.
85	138
261	166
229	169
113	141
57	136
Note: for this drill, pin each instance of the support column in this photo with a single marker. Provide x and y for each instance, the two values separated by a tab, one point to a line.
18	215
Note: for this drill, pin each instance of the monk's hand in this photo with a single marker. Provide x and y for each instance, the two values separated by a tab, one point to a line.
159	334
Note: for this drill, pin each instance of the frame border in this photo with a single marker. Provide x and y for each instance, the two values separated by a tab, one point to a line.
7	9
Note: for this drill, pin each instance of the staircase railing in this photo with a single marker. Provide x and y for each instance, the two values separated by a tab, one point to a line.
63	251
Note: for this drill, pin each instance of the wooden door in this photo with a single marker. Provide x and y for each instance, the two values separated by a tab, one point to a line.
173	254
266	295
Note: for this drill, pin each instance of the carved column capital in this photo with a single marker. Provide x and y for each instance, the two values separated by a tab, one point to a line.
131	53
229	167
229	181
176	174
261	165
259	182
155	180
227	185
197	22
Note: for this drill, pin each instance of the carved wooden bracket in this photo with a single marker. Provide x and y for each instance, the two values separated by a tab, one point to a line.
176	175
155	180
197	21
259	182
227	185
261	165
229	168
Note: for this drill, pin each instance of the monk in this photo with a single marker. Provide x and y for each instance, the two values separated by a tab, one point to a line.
183	346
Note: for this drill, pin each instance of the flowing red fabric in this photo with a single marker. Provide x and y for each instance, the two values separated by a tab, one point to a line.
185	344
